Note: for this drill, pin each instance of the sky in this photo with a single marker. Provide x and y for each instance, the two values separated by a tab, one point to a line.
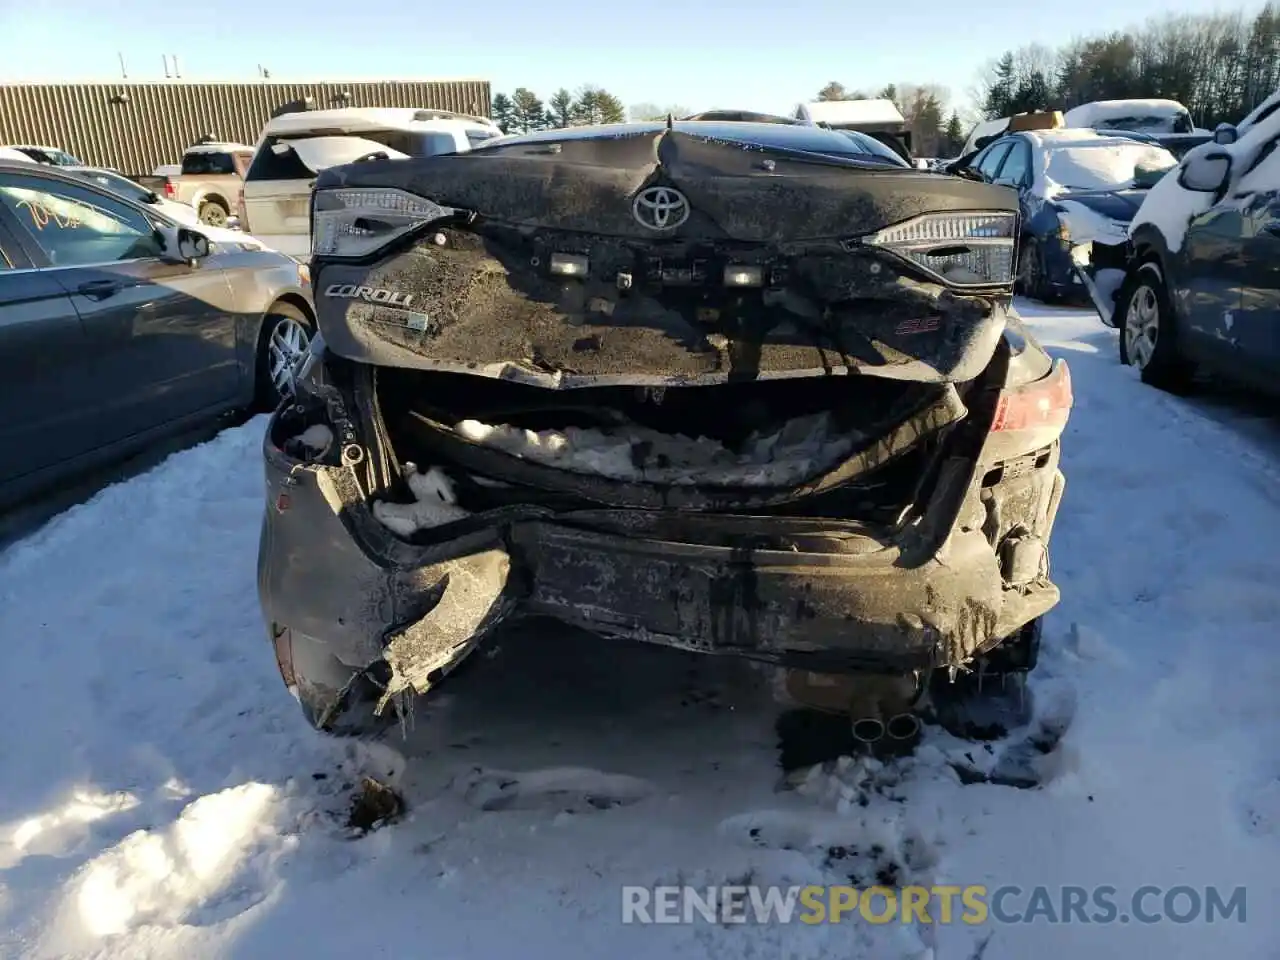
748	54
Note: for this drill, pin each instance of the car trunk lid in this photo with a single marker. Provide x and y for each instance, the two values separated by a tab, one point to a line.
550	263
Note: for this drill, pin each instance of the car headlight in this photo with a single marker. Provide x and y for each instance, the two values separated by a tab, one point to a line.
353	222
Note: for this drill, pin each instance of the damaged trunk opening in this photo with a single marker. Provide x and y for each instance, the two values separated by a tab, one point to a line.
852	448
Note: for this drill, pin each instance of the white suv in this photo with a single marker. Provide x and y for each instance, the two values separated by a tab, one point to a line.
294	147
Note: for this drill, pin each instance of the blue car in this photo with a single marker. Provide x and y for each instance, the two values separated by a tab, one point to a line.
1077	190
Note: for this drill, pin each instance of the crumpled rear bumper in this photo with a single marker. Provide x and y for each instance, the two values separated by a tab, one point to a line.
796	592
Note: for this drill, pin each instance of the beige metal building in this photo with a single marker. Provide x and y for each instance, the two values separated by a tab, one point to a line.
135	127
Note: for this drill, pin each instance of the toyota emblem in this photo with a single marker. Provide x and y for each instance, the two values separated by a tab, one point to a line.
660	208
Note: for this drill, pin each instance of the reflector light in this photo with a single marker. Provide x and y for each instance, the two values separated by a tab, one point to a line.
569	265
743	275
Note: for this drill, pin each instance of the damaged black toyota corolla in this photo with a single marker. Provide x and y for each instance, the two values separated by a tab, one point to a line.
726	387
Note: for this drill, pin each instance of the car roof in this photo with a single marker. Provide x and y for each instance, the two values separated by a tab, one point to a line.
1076	136
85	168
353	120
38	170
219	147
807	137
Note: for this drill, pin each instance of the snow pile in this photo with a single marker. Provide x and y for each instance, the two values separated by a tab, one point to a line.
795	452
316	438
434	503
1170	208
1103	164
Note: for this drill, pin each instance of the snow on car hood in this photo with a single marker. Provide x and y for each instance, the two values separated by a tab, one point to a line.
1085	224
1170	207
1098	216
1100	165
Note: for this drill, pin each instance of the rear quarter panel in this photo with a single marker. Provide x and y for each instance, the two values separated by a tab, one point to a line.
258	280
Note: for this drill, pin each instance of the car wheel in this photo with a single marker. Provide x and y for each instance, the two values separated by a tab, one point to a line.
213	213
1148	333
1030	280
282	344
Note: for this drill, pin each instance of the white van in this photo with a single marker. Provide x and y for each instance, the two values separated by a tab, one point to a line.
276	201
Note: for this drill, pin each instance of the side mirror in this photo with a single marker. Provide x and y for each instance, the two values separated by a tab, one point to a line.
1225	134
1205	172
192	245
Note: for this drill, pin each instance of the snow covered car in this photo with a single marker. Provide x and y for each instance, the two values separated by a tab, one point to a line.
1078	190
741	389
1202	286
1167	122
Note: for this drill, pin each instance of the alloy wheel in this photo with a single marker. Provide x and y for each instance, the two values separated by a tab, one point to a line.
288	344
1142	326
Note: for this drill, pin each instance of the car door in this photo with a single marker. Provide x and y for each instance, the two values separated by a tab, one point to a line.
987	163
161	334
1208	272
1015	172
43	407
1253	327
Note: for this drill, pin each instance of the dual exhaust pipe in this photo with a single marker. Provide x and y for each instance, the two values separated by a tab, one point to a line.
901	729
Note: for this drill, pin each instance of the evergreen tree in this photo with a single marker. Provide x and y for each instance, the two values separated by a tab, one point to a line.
596	105
528	112
502	111
953	139
1000	93
561	108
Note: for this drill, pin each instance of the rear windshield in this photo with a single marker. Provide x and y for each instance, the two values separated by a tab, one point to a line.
206	164
1154	123
868	144
277	159
1103	166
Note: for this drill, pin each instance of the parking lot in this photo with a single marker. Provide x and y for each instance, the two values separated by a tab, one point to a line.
164	797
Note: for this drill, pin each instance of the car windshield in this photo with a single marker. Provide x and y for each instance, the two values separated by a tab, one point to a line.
1105	165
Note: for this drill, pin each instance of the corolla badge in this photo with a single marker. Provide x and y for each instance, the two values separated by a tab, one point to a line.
660	208
351	291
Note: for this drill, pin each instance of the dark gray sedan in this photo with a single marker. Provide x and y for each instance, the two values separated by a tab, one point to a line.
119	325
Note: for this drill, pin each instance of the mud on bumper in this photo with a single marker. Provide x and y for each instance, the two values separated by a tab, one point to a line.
342	594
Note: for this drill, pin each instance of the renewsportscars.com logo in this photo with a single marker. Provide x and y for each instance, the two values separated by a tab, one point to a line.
940	904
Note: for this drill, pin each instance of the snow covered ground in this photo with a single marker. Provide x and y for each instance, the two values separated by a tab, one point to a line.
163	798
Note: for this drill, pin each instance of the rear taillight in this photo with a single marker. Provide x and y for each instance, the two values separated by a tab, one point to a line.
962	249
1044	403
170	189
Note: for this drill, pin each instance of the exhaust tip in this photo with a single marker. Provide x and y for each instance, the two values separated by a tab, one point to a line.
868	730
903	726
